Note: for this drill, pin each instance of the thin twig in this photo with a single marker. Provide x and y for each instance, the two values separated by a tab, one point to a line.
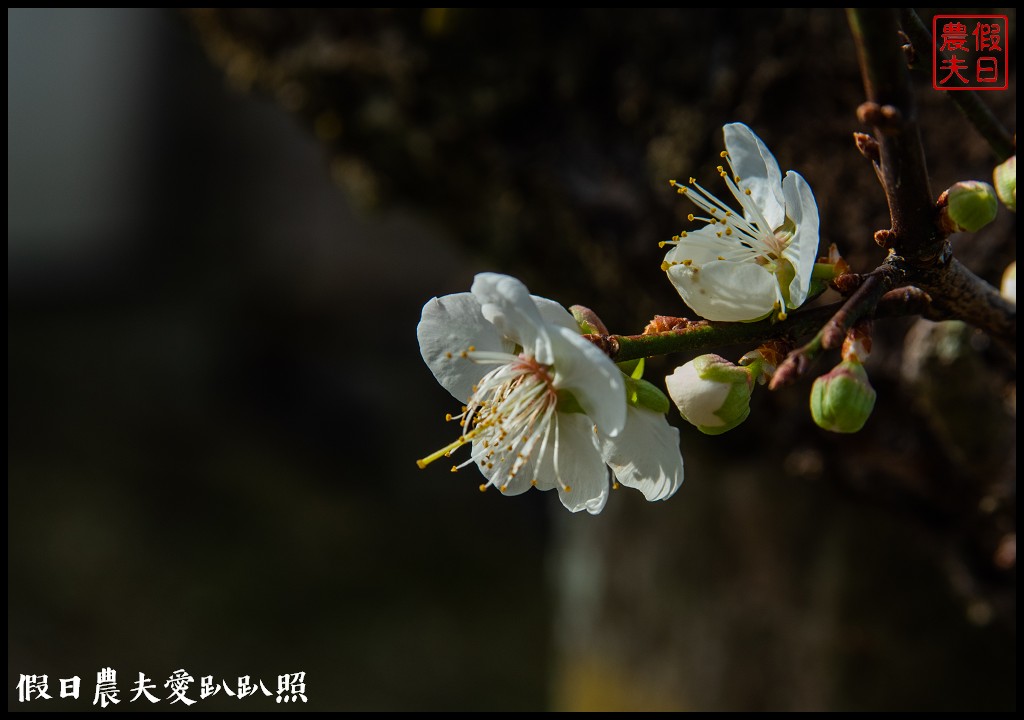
860	305
700	335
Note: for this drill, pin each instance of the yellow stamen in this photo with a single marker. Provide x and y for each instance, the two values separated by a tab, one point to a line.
446	450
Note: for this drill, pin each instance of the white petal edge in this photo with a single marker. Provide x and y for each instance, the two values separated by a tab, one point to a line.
758	170
555	314
725	291
803	249
505	302
580	466
646	455
592	378
450	325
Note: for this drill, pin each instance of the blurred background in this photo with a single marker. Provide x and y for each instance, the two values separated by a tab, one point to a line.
222	226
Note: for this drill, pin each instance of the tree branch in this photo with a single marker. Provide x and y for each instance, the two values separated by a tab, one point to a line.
891	111
698	335
919	247
831	335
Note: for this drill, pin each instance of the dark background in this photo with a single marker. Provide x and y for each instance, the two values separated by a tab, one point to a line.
221	229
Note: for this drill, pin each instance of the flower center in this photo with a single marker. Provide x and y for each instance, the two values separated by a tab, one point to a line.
738	238
508	418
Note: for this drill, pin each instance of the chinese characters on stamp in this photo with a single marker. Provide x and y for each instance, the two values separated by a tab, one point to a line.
970	52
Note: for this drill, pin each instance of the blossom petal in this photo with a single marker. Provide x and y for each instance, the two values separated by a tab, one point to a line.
555	314
646	455
728	291
507	304
758	171
702	246
803	247
579	465
592	378
448	326
698	400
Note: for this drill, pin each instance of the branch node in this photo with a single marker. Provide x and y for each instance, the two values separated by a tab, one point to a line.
886	118
908	50
792	368
885	239
847	283
868	147
666	323
609	344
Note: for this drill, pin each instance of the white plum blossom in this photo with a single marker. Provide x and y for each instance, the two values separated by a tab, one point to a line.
544	407
745	267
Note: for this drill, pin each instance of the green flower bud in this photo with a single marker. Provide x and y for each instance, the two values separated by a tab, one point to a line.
1005	179
712	393
842	400
971	206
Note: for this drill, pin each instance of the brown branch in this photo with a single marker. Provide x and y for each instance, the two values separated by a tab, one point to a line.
860	305
890	110
959	294
918	246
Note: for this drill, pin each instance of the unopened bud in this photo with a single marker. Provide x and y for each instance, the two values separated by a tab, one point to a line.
588	321
971	205
842	400
1005	179
711	393
1008	287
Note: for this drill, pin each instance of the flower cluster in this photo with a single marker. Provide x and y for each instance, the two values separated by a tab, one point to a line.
544	407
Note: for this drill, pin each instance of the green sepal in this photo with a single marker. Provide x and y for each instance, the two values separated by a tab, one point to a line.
632	368
642	394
